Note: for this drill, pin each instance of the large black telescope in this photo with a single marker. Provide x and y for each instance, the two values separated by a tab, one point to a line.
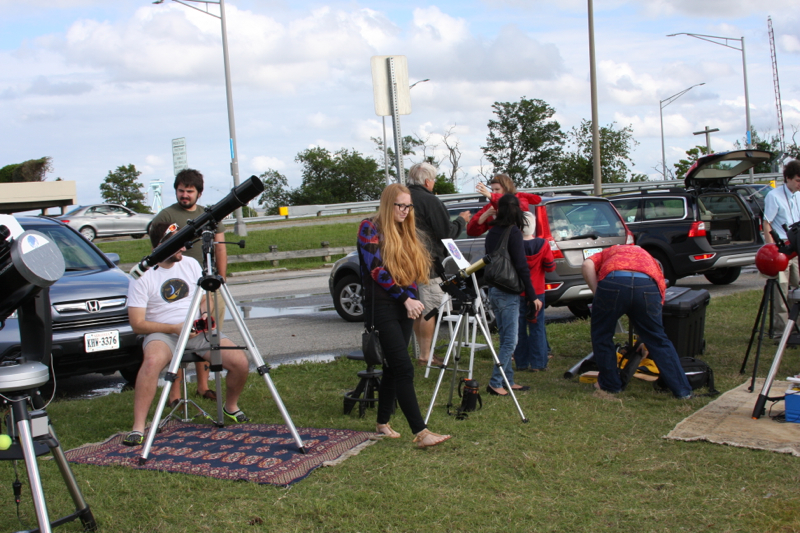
238	197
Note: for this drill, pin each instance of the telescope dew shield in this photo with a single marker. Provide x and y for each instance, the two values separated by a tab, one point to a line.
27	264
238	197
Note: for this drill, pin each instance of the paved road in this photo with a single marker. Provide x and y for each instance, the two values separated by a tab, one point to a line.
291	316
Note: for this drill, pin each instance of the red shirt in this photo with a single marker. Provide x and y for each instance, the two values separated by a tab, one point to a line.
628	257
475	229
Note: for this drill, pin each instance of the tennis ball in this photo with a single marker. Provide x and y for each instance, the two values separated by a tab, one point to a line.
5	442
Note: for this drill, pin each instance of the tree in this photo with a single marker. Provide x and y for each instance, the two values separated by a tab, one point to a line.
577	167
345	176
524	141
769	145
123	187
692	155
30	170
453	154
443	185
276	191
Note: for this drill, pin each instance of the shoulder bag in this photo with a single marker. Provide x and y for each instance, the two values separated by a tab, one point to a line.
500	273
370	339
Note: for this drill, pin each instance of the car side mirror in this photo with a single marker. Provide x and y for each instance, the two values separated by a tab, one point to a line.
114	258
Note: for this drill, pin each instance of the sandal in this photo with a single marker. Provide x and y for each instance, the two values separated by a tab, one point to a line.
134	438
386	431
239	417
427	438
208	395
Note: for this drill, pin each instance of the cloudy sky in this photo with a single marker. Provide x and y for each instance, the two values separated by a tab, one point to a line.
96	84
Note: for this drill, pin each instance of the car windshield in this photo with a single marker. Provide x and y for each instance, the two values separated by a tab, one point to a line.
582	219
78	254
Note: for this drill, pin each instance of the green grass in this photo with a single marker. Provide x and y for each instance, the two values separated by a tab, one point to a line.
259	241
580	464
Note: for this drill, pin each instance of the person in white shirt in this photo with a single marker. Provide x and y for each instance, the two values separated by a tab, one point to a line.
782	208
158	303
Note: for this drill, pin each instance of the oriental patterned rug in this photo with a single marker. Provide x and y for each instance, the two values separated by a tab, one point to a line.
251	452
728	420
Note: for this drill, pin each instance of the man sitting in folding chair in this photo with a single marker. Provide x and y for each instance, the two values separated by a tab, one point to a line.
158	303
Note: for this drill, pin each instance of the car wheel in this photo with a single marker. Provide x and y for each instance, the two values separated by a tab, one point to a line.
138	235
723	276
348	299
487	305
666	267
89	233
580	309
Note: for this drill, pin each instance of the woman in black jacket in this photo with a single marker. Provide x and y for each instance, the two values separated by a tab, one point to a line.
506	304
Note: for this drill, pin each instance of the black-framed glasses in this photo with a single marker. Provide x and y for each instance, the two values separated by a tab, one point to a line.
170	230
404	207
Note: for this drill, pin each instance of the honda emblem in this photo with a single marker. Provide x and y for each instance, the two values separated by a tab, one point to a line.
92	306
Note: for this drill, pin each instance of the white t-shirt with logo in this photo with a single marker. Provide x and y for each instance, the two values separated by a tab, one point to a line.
166	293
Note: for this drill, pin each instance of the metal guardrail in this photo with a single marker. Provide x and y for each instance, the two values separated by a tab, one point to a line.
310	211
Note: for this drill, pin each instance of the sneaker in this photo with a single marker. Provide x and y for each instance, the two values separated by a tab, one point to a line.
239	417
134	438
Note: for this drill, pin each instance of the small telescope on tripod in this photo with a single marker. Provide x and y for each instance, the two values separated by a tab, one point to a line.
29	264
771	260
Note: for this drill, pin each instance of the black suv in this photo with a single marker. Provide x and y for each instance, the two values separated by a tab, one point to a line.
703	228
575	226
89	307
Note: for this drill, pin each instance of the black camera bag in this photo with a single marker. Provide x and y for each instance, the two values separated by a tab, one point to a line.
469	391
698	373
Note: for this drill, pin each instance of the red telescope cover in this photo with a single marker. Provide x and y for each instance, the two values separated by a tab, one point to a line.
770	261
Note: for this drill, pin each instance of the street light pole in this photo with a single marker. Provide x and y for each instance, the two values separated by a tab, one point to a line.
240	228
661	106
596	161
723	41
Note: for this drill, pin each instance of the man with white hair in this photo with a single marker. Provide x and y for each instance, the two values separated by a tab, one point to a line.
434	221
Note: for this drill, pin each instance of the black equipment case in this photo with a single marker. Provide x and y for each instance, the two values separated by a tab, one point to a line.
684	317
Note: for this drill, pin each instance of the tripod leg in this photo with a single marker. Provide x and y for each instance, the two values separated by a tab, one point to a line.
439	316
462	333
758	410
25	437
500	367
172	372
262	368
761	311
216	358
453	340
81	507
757	358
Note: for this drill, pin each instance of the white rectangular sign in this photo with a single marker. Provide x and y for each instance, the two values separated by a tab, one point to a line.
179	161
382	90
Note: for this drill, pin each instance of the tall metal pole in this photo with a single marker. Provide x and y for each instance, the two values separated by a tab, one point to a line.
386	154
596	174
723	41
398	139
661	106
663	153
747	107
240	228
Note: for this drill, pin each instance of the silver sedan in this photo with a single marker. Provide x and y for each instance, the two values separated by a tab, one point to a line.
107	220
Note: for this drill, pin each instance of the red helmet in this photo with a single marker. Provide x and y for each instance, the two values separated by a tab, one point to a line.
770	261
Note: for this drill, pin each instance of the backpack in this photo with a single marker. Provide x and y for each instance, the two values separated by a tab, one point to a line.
698	373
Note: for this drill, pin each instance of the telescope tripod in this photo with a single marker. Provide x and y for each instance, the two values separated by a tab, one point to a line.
469	310
32	435
212	284
766	308
759	410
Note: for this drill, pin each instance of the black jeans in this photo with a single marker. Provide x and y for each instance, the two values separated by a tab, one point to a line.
391	320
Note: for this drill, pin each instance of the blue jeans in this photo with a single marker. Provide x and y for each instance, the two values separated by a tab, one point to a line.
531	349
619	294
506	313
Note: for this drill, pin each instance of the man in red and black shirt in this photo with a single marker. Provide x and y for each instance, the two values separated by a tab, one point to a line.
626	280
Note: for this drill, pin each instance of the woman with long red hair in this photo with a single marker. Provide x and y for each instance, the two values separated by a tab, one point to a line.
393	259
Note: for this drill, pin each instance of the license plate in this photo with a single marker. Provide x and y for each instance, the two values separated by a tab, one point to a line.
588	252
101	341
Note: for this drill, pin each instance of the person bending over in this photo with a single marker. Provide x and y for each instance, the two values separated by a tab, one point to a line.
158	303
626	280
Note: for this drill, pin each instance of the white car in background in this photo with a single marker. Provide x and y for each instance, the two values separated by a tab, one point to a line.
107	220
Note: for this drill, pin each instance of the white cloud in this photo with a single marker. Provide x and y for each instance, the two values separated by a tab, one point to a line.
262	163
